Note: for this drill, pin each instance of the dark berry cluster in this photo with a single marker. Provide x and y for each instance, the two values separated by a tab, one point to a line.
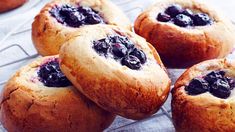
121	48
215	82
76	16
183	17
51	76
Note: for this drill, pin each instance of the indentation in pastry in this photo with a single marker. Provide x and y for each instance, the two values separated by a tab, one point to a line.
51	76
215	82
184	17
76	16
121	49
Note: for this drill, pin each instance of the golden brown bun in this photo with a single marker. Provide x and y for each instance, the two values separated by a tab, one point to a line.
6	5
183	47
48	35
203	112
130	93
29	106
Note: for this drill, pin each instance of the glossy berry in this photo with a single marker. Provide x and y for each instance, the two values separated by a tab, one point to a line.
188	12
197	86
182	20
201	19
214	76
76	16
51	76
122	49
72	18
139	54
174	10
231	82
132	62
220	89
102	46
183	17
119	50
123	40
84	10
94	19
163	17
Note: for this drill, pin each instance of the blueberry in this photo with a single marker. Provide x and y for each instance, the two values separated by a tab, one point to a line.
139	54
94	19
201	19
197	86
74	19
174	10
214	76
51	76
123	40
231	82
220	89
188	12
84	9
76	16
102	46
119	50
182	20
163	17
131	61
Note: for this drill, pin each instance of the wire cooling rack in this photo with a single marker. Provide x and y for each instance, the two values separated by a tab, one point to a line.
13	55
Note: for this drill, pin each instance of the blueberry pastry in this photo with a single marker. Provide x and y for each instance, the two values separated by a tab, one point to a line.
6	5
186	32
203	98
58	21
39	98
116	69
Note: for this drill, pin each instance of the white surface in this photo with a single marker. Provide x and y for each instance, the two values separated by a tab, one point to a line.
10	20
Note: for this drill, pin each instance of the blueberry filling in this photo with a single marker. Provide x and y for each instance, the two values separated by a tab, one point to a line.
121	49
76	16
182	20
163	17
131	61
174	10
201	19
214	82
51	76
197	86
183	17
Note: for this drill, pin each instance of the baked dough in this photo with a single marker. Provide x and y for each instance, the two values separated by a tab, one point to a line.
48	35
182	47
116	88
203	112
6	5
29	106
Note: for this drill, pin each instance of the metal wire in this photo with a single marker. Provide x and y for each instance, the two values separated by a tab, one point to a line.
143	120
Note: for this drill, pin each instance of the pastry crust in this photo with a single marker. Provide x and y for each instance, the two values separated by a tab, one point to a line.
6	5
130	93
203	112
48	35
183	47
29	106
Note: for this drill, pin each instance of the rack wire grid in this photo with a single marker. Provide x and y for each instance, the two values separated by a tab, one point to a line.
120	124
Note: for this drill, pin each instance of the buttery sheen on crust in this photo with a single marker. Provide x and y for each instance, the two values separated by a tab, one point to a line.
183	47
6	5
204	112
130	93
29	106
48	35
